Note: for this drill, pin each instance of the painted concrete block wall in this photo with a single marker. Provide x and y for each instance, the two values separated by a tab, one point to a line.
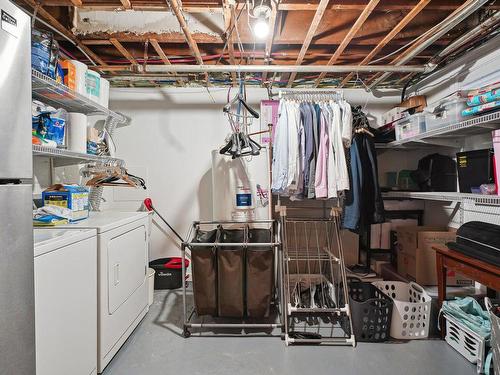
170	140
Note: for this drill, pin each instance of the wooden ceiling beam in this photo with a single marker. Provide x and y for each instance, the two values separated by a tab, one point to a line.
229	24
310	35
215	7
350	34
193	46
126	4
123	51
51	20
160	51
270	38
396	30
76	3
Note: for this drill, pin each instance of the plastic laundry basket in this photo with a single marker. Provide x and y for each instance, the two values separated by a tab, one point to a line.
411	309
495	333
371	312
465	341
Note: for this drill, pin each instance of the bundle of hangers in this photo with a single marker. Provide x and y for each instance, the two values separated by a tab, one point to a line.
239	143
111	174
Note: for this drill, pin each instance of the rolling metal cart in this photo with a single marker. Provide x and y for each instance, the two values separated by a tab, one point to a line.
315	294
237	277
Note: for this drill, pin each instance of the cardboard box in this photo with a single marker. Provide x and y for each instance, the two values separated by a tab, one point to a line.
73	197
417	259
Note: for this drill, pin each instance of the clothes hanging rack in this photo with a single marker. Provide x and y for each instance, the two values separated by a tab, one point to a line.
311	94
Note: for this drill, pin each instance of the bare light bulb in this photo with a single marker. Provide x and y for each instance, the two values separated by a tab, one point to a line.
261	28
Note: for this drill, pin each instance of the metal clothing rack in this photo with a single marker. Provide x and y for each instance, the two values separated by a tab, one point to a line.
315	295
311	94
190	313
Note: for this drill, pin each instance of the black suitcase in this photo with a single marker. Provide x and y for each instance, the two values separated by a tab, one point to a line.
478	240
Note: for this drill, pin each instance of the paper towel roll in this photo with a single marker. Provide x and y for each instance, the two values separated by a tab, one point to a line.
77	132
104	94
93	85
80	70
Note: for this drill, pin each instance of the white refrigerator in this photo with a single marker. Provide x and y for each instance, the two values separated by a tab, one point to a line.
17	313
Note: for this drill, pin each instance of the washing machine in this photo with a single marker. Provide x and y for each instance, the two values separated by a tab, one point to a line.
122	262
65	301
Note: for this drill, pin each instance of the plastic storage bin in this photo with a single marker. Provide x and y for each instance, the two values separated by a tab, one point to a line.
204	272
371	312
495	332
230	274
446	112
259	273
168	272
466	342
411	309
410	126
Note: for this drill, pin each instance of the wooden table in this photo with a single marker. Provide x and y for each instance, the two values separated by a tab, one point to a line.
482	272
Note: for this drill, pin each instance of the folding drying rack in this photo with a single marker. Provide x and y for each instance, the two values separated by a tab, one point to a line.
241	322
315	295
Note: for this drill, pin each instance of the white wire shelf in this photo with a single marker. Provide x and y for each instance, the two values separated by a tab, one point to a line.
48	91
479	199
451	135
72	157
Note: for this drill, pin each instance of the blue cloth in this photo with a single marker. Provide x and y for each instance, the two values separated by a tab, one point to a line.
352	204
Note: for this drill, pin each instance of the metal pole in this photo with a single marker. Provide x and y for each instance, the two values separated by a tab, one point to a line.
183	68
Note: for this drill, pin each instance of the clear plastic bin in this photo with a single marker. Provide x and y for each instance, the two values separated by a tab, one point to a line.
446	113
410	126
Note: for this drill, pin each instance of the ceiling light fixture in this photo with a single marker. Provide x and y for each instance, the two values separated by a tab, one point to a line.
261	26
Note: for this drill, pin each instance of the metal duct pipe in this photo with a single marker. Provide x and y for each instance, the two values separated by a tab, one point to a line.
279	68
442	28
478	30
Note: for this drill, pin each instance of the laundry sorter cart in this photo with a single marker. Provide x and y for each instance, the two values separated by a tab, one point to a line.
236	274
314	296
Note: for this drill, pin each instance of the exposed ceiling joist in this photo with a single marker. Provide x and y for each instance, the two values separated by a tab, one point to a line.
405	21
126	4
160	51
76	3
193	46
270	38
467	8
123	51
229	24
350	34
310	35
215	7
57	25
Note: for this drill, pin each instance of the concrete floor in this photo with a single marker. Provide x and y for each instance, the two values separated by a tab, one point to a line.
157	347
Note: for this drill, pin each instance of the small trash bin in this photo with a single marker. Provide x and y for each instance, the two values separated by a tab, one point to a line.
168	272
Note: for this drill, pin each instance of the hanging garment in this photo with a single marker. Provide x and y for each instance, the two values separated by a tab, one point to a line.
307	120
364	204
280	151
321	179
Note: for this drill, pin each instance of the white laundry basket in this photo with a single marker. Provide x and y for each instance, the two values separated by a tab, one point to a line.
411	310
465	341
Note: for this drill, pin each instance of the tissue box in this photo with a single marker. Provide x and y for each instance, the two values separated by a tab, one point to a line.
73	197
